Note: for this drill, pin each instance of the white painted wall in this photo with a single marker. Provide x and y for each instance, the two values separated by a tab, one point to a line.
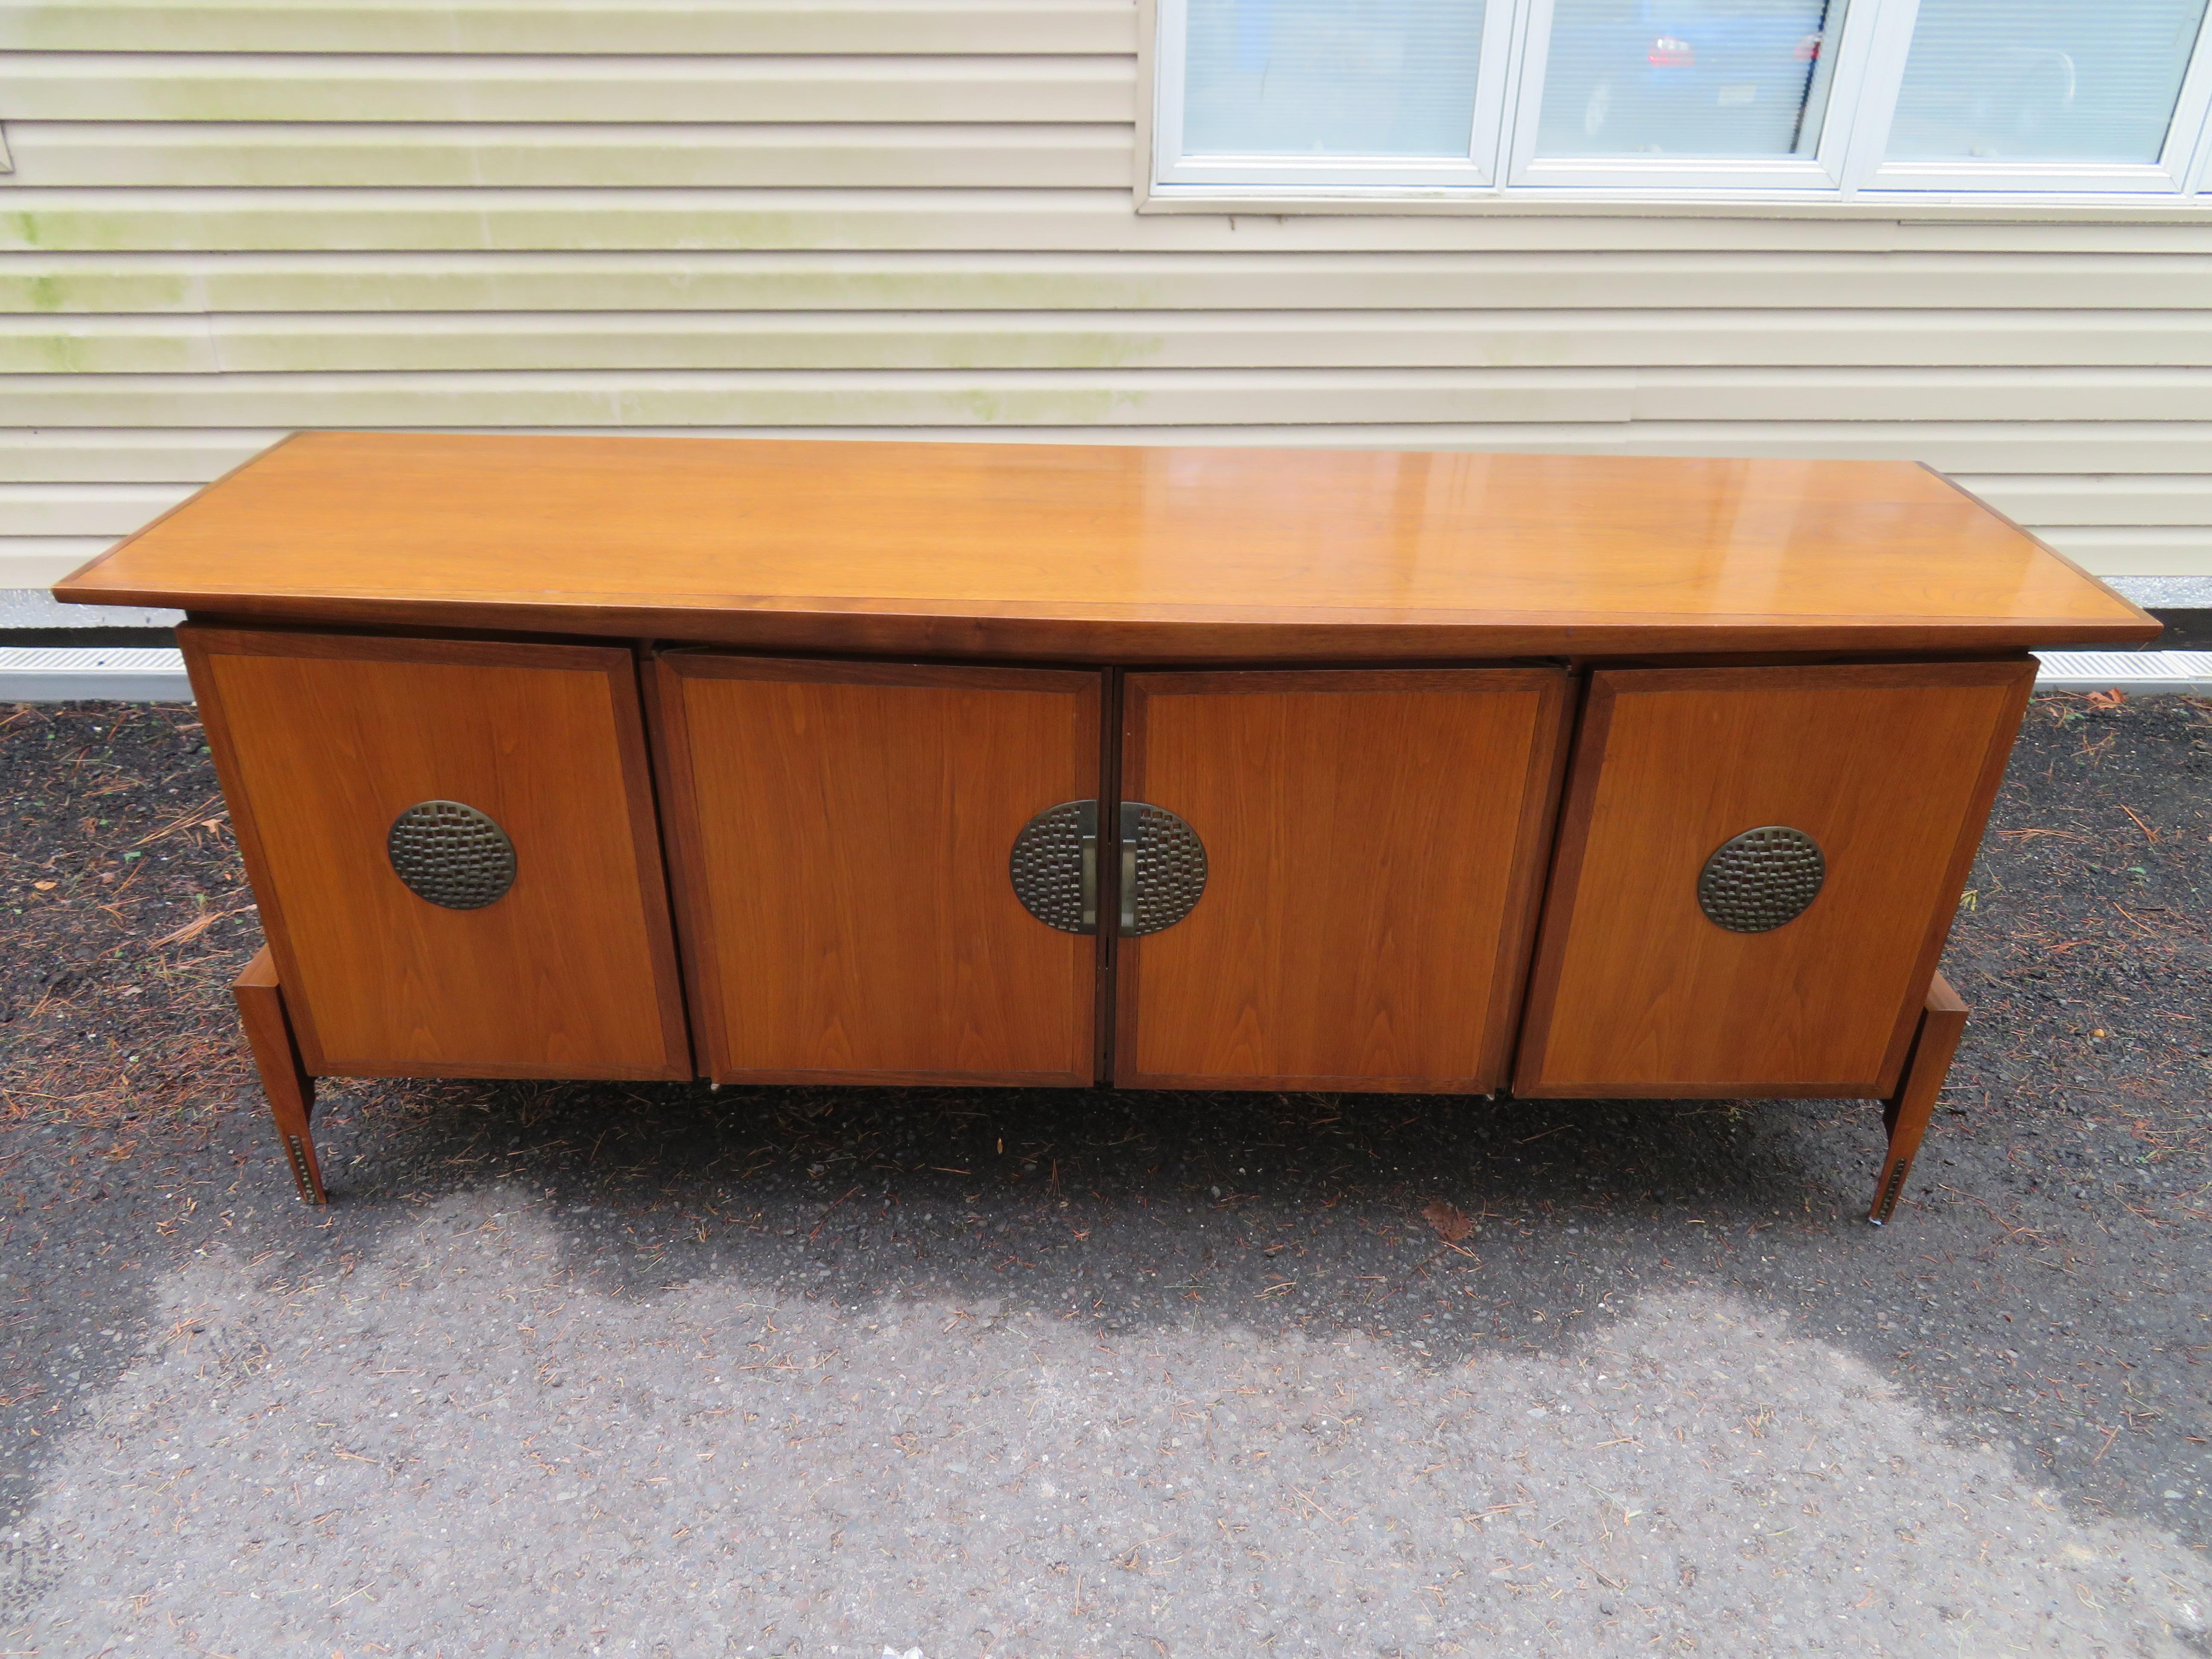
227	221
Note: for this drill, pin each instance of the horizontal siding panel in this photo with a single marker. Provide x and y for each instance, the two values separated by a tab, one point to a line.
545	27
1062	221
2154	499
806	398
776	280
165	87
110	509
884	155
2177	394
1093	339
41	561
107	345
1064	397
2126	551
126	454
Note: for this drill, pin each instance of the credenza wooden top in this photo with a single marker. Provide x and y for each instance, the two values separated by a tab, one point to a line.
1107	553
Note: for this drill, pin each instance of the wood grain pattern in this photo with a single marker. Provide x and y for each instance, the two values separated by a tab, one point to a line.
284	1080
1109	554
1892	769
320	742
842	832
1935	1044
1374	846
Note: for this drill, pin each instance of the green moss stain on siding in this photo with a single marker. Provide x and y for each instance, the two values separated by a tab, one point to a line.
60	352
92	292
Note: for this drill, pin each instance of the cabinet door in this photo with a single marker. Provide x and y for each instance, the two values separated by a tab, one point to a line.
520	770
1870	784
842	835
1373	849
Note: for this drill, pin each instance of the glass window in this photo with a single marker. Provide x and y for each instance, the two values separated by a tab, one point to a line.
1331	77
1686	77
2043	80
2082	102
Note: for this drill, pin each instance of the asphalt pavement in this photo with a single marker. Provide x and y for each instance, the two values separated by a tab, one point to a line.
657	1371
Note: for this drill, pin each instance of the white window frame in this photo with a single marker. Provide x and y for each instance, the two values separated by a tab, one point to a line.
1848	168
1299	172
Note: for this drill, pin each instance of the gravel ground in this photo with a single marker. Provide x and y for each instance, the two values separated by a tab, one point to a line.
648	1371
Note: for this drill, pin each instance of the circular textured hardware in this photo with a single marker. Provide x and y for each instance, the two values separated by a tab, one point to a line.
451	854
1046	865
1762	878
1171	869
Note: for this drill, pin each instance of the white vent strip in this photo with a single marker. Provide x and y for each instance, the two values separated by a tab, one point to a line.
2125	670
79	659
33	673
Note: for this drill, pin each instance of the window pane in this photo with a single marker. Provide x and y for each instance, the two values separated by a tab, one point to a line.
1687	77
2050	80
1331	77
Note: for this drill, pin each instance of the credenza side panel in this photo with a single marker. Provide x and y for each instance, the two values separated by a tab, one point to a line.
1375	844
1890	768
841	832
322	740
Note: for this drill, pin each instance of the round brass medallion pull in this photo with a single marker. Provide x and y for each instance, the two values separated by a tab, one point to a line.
1054	866
1163	868
1762	879
451	854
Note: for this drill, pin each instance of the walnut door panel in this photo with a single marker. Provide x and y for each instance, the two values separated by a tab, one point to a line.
1889	770
842	833
322	741
1373	850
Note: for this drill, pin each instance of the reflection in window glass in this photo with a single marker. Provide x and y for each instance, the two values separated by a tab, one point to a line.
1331	77
2047	80
1687	77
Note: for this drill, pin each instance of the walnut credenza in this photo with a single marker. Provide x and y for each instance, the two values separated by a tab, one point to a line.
855	763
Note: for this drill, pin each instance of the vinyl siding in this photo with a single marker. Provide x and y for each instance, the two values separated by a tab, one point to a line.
226	221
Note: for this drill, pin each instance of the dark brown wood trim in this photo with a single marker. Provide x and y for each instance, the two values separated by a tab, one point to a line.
1292	636
1128	953
679	819
1817	677
917	1080
1531	867
344	1066
1108	959
1850	1089
1090	689
1568	847
375	647
1319	1085
622	696
1266	682
834	671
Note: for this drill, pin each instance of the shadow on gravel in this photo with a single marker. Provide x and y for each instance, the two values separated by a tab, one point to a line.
2041	1288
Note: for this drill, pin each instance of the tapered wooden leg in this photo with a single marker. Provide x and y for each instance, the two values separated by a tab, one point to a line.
291	1091
1926	1065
